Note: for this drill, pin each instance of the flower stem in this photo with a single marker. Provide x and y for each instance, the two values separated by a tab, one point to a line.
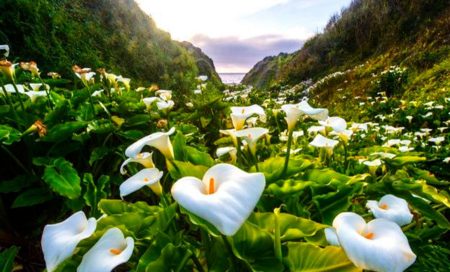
288	152
50	104
277	240
18	95
234	259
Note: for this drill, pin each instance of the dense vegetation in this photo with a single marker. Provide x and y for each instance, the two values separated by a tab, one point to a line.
367	38
101	33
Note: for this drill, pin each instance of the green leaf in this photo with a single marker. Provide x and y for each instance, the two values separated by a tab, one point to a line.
63	178
198	221
324	176
402	160
179	169
255	246
308	258
16	184
31	197
273	167
94	191
291	227
62	132
9	135
198	158
115	206
7	257
58	114
287	187
179	146
98	153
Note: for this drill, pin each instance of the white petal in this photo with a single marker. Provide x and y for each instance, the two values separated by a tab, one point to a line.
315	113
100	258
148	101
235	197
144	158
338	124
331	236
323	142
392	208
59	240
225	150
292	115
145	177
158	140
387	248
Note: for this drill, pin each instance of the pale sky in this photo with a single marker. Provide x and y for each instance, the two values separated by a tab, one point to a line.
238	33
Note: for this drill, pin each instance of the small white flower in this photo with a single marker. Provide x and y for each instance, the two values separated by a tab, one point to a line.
158	140
110	251
60	240
146	177
391	208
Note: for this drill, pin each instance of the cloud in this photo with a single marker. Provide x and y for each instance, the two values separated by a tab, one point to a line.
234	54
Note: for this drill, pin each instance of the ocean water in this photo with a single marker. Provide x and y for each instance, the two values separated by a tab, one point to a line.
231	78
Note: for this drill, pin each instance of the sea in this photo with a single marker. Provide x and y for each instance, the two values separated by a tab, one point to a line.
231	78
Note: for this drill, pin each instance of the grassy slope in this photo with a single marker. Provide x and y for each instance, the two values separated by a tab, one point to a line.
366	39
114	34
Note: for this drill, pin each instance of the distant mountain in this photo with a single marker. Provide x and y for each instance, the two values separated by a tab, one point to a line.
266	71
361	42
115	34
204	63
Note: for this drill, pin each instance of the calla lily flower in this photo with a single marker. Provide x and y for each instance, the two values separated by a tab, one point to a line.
59	240
164	94
344	135
202	78
373	165
7	68
84	74
5	48
331	236
323	142
293	113
231	133
110	251
125	81
225	197
379	245
158	140
10	88
312	130
165	105
144	158
314	113
392	208
338	124
30	66
251	136
227	150
146	177
240	114
34	95
148	101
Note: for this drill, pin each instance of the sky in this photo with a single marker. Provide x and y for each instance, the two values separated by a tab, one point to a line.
237	34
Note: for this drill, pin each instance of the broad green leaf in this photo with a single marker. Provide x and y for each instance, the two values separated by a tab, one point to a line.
115	206
101	126
198	157
98	153
137	120
287	187
7	257
324	176
62	178
273	167
402	160
196	220
303	257
9	135
255	246
179	146
179	169
94	191
131	134
58	114
31	197
62	132
291	227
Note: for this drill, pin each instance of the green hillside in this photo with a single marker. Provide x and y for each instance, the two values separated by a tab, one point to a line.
353	56
115	34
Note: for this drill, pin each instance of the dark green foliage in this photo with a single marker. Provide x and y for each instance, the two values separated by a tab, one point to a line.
113	34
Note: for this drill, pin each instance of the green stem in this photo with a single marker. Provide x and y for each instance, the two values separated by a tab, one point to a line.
90	99
18	95
197	262
234	260
184	260
288	153
7	98
50	104
277	240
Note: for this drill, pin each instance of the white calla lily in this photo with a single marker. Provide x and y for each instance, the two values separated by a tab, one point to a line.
5	48
165	105
338	124
240	114
34	95
323	142
144	158
10	88
158	140
164	94
232	151
60	240
293	113
146	177
125	81
331	236
392	208
148	101
225	197
251	136
379	245
314	113
110	251
231	133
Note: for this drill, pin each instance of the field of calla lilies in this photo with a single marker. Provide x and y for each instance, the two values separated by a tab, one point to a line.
100	175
